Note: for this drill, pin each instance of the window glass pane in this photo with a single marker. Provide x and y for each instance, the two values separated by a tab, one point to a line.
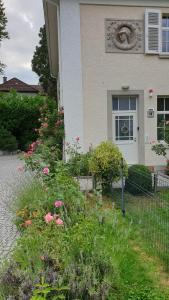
167	47
133	103
164	47
164	21
115	103
164	36
160	134
117	128
131	127
166	119
167	104
160	104
123	103
167	133
160	120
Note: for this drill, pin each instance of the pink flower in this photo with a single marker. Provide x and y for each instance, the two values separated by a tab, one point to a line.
28	154
59	222
46	171
77	139
48	218
59	203
28	223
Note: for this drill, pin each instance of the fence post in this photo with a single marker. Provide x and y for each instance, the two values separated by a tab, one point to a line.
155	182
122	189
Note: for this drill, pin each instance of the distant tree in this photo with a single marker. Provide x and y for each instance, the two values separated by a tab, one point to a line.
3	32
40	65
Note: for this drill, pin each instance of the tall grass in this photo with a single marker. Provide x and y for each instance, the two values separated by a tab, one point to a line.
93	256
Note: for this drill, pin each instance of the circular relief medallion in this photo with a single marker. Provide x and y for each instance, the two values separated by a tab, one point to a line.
125	36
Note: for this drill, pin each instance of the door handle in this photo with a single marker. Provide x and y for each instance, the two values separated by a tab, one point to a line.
135	140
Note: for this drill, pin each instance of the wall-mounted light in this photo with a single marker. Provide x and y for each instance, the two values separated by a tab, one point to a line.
151	91
125	87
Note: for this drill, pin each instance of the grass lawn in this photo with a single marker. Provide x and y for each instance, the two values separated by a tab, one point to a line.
98	253
150	218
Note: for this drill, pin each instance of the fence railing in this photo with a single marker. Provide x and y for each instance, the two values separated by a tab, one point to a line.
148	211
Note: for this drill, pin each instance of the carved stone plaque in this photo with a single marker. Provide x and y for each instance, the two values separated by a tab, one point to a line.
126	36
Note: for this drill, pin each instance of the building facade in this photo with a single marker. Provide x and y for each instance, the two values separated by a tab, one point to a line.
113	63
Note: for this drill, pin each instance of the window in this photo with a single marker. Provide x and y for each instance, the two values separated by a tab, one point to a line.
163	118
165	33
124	103
124	128
156	32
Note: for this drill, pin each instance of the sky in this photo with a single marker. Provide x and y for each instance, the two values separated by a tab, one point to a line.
25	17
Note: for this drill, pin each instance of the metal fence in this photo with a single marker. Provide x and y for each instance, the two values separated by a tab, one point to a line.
148	211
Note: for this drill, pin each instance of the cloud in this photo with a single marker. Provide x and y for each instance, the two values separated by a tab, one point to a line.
27	20
25	17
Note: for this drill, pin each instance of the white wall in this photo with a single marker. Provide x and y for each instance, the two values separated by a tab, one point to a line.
104	72
70	69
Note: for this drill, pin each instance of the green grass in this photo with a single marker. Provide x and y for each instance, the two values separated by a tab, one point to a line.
102	245
150	218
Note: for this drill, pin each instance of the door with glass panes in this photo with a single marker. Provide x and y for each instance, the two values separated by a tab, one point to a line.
125	126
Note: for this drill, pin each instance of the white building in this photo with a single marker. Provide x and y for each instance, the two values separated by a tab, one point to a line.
111	58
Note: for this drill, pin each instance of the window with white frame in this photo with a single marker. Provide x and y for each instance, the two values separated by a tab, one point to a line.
165	33
156	32
163	118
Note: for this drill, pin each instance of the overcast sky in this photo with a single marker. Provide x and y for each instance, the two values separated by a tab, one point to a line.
25	17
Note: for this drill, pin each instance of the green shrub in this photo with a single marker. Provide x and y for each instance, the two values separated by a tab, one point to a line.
139	180
78	165
20	115
8	142
105	164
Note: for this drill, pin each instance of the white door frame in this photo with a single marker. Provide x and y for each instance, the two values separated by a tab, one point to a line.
140	116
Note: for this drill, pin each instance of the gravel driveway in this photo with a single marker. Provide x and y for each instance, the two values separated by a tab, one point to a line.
10	180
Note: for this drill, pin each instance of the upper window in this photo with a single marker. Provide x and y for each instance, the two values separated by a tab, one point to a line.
165	33
163	118
124	103
157	32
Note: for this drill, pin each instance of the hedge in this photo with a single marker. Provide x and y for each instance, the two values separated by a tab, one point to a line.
19	115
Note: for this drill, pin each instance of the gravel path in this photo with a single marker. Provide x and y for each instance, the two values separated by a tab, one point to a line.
10	180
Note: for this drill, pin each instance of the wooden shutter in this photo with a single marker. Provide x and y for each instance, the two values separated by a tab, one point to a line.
152	31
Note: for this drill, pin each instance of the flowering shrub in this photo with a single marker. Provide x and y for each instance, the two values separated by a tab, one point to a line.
161	150
43	154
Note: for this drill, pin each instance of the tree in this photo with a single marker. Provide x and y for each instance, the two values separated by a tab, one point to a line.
40	65
3	32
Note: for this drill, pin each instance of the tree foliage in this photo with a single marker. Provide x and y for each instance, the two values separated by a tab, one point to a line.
3	32
19	115
40	65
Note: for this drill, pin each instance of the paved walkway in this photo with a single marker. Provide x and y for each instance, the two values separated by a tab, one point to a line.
10	179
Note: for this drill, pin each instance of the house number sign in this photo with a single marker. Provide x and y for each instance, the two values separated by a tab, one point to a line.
124	36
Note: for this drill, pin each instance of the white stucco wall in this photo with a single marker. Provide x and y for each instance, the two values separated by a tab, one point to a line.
110	71
70	69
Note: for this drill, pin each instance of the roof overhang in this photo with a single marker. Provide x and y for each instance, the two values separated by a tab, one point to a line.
51	21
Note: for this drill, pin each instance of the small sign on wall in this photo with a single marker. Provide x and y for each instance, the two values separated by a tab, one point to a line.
150	113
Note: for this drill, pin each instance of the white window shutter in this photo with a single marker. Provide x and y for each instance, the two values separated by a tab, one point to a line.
152	31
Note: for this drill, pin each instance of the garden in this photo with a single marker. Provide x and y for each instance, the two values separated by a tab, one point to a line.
76	245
